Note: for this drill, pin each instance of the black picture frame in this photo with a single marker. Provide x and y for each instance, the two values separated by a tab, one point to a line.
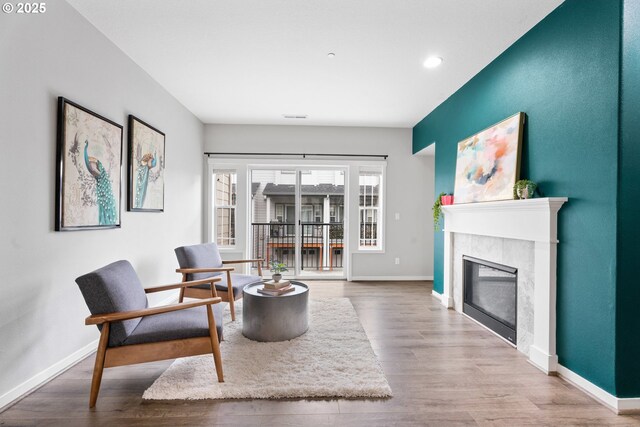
146	152
85	187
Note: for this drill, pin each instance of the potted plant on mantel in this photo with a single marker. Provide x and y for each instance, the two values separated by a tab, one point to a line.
443	199
277	268
524	189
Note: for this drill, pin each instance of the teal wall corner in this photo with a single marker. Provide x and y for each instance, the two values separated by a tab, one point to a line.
628	232
564	74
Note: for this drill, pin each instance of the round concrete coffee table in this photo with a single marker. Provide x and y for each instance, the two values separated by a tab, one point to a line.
267	318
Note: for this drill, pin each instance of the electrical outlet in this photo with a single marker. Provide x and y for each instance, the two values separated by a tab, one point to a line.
397	261
397	216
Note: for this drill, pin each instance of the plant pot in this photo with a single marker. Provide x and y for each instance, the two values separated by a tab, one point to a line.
446	200
527	191
276	277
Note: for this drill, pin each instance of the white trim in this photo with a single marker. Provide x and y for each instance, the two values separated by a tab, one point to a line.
532	219
368	251
616	404
547	363
436	295
390	278
48	374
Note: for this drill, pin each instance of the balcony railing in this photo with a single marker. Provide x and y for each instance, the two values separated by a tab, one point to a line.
322	244
274	242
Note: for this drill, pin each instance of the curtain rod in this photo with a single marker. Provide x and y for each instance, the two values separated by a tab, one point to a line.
304	155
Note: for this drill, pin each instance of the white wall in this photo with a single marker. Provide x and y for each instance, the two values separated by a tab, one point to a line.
409	190
41	309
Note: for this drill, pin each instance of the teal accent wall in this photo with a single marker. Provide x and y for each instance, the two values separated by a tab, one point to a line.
565	75
628	290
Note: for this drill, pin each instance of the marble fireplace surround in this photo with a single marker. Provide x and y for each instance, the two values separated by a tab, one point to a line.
520	234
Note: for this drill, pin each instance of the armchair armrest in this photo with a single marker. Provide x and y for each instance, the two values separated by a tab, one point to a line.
183	285
98	319
241	261
203	270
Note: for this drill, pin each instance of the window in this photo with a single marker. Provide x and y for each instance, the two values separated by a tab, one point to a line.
370	208
225	207
280	213
336	213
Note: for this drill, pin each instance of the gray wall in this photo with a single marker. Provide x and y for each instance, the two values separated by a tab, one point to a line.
409	189
41	310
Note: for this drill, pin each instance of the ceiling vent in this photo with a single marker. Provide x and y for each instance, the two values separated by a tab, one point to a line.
294	116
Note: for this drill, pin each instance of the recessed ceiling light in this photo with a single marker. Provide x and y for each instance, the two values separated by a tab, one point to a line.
331	55
432	62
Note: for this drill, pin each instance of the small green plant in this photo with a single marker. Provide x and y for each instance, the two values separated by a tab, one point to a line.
277	267
524	189
437	210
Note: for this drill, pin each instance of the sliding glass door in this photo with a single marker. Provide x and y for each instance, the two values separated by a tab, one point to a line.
297	218
273	217
322	222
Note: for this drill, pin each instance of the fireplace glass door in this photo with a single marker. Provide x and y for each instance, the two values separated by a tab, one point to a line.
490	295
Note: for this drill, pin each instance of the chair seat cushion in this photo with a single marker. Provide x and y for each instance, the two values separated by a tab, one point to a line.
238	282
175	325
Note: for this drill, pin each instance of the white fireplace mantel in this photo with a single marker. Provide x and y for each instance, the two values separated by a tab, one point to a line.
532	220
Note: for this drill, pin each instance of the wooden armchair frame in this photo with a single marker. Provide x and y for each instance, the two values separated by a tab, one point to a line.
108	357
227	295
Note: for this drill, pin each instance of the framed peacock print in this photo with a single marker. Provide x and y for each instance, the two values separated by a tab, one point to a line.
488	163
146	167
88	169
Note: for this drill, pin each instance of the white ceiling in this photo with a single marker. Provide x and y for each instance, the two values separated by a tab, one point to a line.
251	61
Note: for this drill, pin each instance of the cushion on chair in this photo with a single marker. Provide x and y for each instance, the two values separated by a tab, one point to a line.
175	325
238	281
114	288
205	255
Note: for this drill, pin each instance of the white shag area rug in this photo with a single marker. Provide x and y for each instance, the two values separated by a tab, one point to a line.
332	359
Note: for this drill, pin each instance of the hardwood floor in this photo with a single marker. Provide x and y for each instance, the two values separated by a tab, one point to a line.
444	371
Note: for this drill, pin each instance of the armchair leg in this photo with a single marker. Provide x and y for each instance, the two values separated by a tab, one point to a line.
99	365
215	345
230	296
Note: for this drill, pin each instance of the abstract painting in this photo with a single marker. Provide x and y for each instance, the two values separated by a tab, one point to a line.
146	167
89	159
488	163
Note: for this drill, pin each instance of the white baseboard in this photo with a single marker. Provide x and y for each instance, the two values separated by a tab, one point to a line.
616	404
46	375
436	295
390	278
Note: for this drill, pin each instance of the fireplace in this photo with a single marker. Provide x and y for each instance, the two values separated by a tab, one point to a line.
491	295
520	233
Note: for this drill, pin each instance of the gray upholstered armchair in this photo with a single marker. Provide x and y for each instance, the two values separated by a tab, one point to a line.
204	261
132	332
